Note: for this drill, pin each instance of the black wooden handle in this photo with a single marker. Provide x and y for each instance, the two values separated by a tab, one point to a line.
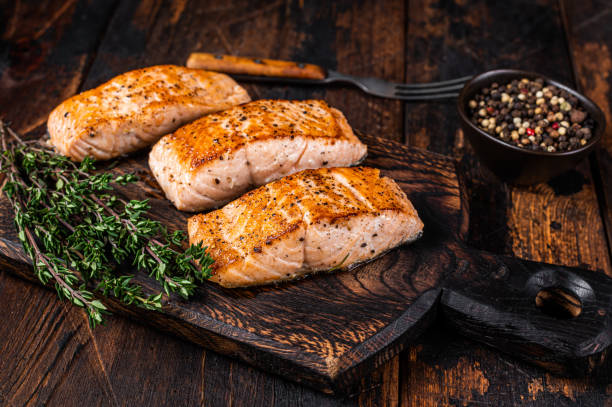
553	316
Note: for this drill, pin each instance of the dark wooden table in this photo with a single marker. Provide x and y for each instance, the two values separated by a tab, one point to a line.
52	49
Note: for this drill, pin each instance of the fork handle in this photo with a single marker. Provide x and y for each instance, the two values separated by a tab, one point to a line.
255	66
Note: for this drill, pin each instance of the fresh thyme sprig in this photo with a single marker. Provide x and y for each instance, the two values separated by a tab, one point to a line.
80	235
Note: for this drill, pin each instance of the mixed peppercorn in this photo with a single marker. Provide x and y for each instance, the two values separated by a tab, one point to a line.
532	115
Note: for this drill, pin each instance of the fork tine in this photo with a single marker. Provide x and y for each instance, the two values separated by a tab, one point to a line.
424	91
417	98
434	84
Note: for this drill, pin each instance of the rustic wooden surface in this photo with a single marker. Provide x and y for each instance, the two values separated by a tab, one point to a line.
51	49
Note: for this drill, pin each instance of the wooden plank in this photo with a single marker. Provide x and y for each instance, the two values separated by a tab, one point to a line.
46	360
448	370
47	47
238	384
149	368
557	222
589	37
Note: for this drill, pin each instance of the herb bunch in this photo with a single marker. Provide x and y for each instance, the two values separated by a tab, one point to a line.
79	234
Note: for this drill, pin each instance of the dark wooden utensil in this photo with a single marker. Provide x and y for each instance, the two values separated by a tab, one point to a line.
327	331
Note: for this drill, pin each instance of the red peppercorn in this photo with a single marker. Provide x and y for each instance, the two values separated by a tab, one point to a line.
524	90
555	125
530	131
490	109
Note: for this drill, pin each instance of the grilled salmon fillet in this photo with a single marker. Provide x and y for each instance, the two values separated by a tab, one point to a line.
220	156
307	222
136	108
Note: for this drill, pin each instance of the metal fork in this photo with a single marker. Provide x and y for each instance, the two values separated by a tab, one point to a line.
375	86
275	71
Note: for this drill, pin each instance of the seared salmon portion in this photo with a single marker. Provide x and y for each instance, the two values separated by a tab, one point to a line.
135	109
217	158
307	222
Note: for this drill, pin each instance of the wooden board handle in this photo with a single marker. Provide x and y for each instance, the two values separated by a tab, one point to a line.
553	316
254	66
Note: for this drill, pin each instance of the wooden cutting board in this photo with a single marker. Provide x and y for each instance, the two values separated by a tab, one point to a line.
329	330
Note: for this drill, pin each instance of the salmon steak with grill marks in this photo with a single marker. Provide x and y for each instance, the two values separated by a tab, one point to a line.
215	159
311	221
135	109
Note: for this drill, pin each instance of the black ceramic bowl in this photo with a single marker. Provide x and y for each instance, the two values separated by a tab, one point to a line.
514	164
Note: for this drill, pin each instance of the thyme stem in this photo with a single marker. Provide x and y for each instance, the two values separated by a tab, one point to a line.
83	237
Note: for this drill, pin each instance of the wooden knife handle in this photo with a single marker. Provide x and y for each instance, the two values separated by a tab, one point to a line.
254	66
553	316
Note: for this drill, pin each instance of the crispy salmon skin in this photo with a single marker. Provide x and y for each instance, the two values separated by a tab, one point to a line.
215	159
135	109
307	222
